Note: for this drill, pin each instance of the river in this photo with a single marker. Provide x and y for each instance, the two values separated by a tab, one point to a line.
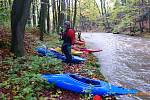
125	60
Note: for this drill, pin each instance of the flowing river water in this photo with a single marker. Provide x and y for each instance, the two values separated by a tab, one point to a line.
125	60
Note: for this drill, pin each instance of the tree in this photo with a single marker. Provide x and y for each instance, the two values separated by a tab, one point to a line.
59	15
75	13
62	12
104	14
33	12
54	14
10	2
68	10
87	14
19	15
48	17
141	21
42	20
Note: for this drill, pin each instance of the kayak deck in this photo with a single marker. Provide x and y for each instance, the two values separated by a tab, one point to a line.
47	52
84	85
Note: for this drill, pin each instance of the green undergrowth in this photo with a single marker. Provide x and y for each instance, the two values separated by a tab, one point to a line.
21	77
24	76
93	67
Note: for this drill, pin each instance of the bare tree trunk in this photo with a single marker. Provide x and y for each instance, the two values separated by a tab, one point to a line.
72	10
38	11
75	13
19	15
10	2
54	24
102	10
59	15
105	11
1	3
54	15
140	22
42	22
33	12
62	12
97	7
68	10
48	17
81	24
102	13
29	21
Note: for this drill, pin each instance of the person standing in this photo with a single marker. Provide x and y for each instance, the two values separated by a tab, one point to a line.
68	38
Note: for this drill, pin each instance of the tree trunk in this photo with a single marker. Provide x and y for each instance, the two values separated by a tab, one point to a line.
42	22
29	21
59	15
37	10
1	4
48	17
80	23
19	16
102	10
33	12
62	13
102	13
75	13
97	7
105	11
68	10
140	22
54	15
72	9
10	2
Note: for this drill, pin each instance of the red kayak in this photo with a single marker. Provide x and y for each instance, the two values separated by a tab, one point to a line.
87	50
90	50
80	42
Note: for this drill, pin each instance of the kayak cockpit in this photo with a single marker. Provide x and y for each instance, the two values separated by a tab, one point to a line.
85	80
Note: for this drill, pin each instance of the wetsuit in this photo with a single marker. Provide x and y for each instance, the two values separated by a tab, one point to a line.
68	40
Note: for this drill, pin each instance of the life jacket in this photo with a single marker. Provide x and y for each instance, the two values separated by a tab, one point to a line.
69	36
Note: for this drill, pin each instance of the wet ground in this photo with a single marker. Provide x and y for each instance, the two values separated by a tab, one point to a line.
125	60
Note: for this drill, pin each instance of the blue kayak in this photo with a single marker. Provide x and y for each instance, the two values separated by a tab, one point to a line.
79	84
44	52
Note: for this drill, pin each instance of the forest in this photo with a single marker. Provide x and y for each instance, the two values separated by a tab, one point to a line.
26	25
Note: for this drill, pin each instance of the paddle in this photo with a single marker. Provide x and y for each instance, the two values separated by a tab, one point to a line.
142	94
139	93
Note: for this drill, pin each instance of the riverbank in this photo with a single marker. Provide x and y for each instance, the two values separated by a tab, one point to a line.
20	77
138	34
